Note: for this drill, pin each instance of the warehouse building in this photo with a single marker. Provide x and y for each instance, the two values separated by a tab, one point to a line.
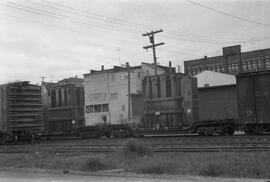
233	61
106	93
20	107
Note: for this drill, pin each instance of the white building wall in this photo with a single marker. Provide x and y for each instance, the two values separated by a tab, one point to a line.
211	78
115	87
119	105
96	93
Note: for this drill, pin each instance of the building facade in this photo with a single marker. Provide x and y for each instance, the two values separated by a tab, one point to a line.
106	92
233	61
63	105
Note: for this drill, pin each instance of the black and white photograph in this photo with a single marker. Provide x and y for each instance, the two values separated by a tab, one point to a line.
135	90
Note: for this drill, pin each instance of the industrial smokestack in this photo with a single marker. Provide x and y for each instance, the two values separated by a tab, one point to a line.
102	67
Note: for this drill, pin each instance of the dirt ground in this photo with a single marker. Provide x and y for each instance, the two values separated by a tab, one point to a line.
30	175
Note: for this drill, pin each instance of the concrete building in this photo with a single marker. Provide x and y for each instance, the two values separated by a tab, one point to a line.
106	93
233	61
63	105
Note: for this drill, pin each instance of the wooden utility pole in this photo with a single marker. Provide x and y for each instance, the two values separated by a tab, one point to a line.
128	70
153	46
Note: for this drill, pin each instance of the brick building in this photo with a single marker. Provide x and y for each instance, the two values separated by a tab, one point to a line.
233	61
63	105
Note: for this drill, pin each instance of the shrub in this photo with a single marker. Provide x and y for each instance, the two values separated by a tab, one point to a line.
154	167
95	164
135	148
211	169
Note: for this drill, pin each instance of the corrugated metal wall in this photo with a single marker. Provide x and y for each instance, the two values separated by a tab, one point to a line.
169	100
21	107
254	97
217	103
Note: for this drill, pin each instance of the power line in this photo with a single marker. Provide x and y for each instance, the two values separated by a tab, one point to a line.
104	26
118	22
227	14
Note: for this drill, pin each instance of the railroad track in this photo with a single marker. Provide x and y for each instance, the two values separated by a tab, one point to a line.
176	144
192	138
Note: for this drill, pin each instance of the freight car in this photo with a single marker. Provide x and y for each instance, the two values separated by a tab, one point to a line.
20	111
171	106
253	91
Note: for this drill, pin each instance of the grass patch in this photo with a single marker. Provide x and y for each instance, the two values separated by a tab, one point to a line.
151	166
134	148
230	164
139	159
96	164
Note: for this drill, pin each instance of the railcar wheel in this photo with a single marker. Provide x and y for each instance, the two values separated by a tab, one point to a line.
201	131
248	130
230	130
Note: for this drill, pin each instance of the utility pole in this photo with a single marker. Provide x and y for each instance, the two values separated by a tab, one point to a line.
128	70
153	46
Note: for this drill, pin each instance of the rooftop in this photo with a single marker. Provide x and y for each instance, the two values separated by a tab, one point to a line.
120	68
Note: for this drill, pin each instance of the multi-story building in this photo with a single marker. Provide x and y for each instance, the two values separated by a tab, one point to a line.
233	61
106	93
63	105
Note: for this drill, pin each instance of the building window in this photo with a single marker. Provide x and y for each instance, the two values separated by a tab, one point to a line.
259	64
267	63
66	97
193	71
89	109
112	77
60	97
249	66
53	98
139	74
218	68
123	108
221	68
105	107
114	96
96	108
230	68
123	76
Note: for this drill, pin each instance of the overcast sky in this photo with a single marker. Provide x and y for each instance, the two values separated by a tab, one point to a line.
59	39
